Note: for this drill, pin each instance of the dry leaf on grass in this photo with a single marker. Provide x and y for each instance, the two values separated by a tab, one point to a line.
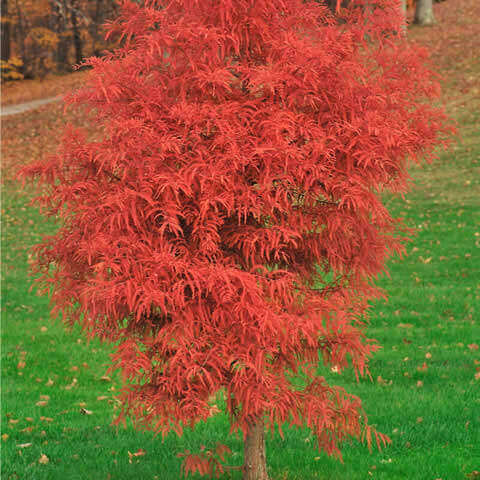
139	453
43	459
72	385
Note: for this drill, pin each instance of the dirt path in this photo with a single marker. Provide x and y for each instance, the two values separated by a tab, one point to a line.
24	107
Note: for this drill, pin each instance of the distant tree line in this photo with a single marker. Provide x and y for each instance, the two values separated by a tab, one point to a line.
42	36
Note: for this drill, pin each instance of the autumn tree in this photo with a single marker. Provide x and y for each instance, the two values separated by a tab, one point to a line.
42	36
224	227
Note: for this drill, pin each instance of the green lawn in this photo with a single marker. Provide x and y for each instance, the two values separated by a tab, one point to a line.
424	394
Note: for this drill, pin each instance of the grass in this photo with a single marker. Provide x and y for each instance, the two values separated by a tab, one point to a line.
57	405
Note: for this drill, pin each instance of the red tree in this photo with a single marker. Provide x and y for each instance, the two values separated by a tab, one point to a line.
225	227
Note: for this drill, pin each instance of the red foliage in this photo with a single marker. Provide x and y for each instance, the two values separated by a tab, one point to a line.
227	225
207	462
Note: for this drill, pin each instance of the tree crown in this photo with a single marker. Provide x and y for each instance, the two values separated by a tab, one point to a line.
226	225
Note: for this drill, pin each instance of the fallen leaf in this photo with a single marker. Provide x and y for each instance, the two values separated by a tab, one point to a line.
428	355
105	378
24	445
49	382
419	384
42	403
139	453
102	397
382	381
425	260
473	346
5	437
21	365
84	411
72	385
405	325
43	459
213	410
423	368
45	397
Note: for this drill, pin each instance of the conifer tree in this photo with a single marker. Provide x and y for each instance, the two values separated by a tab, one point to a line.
225	226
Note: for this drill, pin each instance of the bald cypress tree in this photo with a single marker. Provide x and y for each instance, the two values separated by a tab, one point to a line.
225	228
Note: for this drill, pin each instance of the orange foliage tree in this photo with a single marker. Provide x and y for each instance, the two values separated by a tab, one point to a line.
225	229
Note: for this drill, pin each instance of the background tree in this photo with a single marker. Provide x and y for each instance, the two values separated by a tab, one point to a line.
5	35
77	37
51	35
424	12
225	226
59	22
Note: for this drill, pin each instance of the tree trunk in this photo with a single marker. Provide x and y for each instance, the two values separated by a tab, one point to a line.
77	39
59	20
424	12
255	461
95	26
21	35
5	32
403	7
